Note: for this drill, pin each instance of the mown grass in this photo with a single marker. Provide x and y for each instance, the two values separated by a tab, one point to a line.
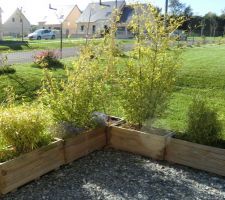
202	74
41	45
50	44
27	80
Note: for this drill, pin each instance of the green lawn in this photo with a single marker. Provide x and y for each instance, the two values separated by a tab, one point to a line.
27	80
41	45
50	44
203	73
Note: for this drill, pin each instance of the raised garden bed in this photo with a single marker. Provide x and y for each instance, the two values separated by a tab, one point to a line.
151	144
25	168
87	142
157	144
83	144
198	156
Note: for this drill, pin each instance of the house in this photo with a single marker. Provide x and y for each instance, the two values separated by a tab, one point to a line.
67	15
17	24
1	34
96	18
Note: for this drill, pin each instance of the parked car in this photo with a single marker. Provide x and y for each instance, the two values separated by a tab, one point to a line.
42	34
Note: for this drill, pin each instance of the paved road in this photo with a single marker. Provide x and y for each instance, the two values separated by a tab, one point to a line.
25	57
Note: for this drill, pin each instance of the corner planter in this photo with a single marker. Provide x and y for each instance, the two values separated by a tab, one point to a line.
198	156
30	166
150	144
84	143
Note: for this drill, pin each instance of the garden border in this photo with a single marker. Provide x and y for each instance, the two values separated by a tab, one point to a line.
207	158
163	146
30	166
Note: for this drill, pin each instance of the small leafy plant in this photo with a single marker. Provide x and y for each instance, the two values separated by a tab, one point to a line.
5	68
47	60
203	126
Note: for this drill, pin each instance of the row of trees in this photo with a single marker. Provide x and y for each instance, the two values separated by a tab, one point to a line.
210	24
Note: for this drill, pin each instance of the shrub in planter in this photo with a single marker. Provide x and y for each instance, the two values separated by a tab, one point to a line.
203	126
148	78
23	128
87	88
47	60
74	99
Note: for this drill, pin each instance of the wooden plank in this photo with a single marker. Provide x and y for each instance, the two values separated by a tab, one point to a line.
146	144
28	167
85	143
198	156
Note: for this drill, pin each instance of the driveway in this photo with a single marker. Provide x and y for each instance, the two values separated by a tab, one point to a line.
28	56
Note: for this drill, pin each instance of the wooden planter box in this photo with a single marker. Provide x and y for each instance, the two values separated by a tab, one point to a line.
198	156
30	166
151	144
83	144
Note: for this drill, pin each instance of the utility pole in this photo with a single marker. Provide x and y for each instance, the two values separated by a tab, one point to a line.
166	14
1	24
61	31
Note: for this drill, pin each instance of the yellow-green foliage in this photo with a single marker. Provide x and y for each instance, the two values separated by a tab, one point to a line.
87	87
148	78
203	126
23	128
74	99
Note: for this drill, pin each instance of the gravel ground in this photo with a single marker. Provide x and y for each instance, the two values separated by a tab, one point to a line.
117	175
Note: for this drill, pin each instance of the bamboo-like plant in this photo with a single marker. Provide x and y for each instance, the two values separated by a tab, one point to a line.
148	78
74	99
22	128
88	87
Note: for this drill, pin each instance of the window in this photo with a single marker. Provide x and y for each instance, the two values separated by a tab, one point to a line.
46	31
21	20
13	19
93	29
82	28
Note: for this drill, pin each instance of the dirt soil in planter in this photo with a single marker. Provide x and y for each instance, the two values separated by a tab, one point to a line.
118	175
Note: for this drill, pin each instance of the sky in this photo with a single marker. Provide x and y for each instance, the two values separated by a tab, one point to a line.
37	9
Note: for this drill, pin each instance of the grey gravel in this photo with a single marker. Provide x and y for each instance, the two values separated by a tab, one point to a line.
118	175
